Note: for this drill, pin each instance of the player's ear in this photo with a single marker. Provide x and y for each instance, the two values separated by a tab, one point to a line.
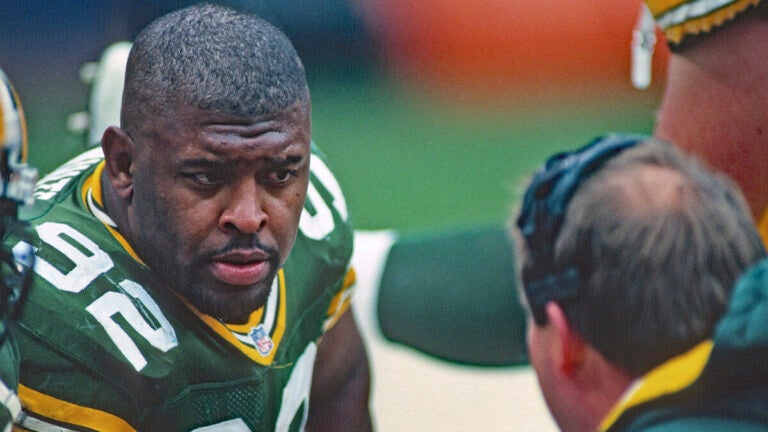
119	150
571	346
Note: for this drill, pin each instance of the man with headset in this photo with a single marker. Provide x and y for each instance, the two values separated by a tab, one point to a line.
629	253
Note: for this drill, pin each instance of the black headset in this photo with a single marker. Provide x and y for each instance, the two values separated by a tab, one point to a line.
543	213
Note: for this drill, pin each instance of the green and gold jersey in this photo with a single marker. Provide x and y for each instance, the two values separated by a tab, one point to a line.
105	346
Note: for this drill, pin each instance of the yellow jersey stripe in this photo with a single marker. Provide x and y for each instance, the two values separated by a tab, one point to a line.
762	227
223	330
341	301
59	410
670	377
93	185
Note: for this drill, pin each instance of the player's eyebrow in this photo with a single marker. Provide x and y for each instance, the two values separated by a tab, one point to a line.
285	161
213	164
201	163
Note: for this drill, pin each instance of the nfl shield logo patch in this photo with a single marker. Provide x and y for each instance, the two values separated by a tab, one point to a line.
262	340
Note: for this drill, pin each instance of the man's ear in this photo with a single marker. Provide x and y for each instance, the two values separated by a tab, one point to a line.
119	152
571	346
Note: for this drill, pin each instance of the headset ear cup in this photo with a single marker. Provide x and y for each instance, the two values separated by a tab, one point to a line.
543	213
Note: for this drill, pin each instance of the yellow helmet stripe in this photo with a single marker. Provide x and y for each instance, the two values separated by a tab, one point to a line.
13	128
22	125
679	18
5	107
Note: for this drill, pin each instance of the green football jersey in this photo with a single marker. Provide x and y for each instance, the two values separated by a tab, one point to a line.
105	346
9	402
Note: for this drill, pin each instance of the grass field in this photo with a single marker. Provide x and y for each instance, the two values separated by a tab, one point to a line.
410	160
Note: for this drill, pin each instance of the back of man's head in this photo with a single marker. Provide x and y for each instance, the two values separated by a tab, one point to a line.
659	242
213	58
654	242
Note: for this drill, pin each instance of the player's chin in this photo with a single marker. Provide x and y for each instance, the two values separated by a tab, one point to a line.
235	304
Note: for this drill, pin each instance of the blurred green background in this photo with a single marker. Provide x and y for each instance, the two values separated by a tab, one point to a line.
409	161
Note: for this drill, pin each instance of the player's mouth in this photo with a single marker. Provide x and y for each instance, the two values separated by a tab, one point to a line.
241	267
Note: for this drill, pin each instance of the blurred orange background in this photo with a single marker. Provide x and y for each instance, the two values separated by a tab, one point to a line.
501	48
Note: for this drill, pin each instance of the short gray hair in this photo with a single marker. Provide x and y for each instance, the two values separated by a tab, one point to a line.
656	270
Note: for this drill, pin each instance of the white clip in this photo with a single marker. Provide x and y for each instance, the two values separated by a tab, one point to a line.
643	44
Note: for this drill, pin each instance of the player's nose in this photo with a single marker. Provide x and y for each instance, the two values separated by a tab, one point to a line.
244	210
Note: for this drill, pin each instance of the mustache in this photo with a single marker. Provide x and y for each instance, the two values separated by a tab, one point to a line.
247	242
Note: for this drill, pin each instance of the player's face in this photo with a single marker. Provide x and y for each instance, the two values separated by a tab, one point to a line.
216	204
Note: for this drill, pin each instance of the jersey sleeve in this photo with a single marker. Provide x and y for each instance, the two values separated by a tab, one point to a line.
80	396
341	301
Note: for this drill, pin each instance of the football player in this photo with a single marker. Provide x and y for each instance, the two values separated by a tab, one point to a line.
193	272
16	184
383	261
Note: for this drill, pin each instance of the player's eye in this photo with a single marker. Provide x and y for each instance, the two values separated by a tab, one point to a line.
206	178
281	176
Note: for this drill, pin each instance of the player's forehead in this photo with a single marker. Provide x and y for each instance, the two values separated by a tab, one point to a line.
275	135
